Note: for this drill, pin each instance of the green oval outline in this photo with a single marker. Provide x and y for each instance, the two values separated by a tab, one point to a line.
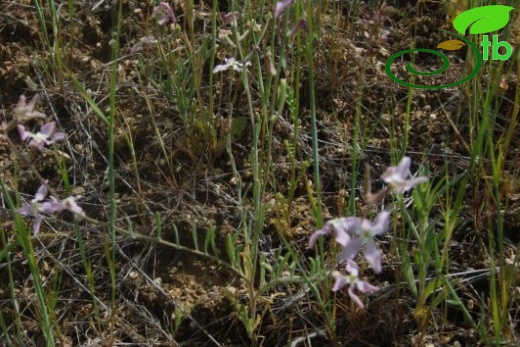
444	58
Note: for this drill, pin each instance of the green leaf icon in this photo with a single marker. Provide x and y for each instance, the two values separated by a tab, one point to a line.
485	19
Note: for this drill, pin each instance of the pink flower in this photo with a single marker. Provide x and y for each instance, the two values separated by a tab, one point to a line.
163	13
363	237
69	204
231	63
34	208
340	226
353	282
281	6
396	176
24	111
142	41
354	234
44	137
37	206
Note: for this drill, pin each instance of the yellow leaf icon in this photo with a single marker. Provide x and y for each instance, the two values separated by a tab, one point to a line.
451	45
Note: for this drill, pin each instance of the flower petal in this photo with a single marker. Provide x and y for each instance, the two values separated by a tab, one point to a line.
381	223
396	176
373	256
52	207
163	13
366	287
41	193
352	268
327	228
25	210
350	251
397	173
340	282
37	143
342	226
281	6
354	297
409	184
24	111
47	129
72	206
37	223
59	136
22	132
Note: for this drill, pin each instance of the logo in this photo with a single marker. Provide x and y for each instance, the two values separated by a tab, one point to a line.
483	20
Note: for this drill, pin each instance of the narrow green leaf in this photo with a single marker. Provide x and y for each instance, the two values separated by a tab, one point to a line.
238	125
409	276
195	236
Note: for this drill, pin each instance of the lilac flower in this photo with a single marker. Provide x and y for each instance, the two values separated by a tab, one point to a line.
43	137
24	111
142	41
396	176
281	6
354	233
37	206
353	282
231	63
34	208
69	204
163	13
363	237
341	227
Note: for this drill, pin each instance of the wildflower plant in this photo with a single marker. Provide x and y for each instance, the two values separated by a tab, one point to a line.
363	238
281	6
38	207
231	63
396	176
353	282
354	234
35	208
163	13
45	136
24	111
